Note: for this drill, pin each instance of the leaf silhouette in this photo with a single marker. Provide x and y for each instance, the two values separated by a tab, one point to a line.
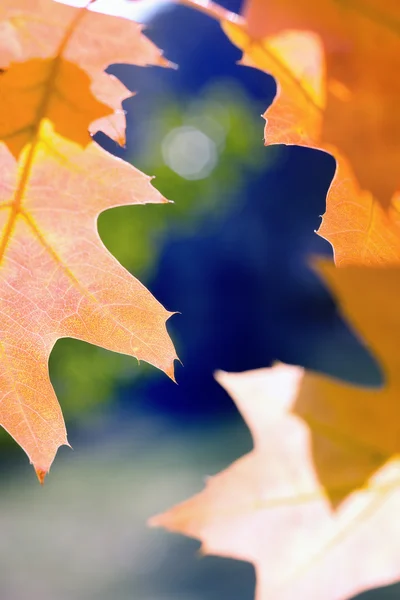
56	277
334	64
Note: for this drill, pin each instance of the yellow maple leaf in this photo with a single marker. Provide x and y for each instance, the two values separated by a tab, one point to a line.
56	277
75	46
35	89
314	506
58	280
334	63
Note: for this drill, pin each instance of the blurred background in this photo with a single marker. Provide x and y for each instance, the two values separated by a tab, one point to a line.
232	256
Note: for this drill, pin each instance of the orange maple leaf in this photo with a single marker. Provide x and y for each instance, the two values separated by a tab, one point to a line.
35	89
314	506
57	278
334	63
68	40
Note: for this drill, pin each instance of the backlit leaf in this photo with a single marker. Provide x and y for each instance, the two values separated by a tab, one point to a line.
334	64
61	35
56	90
315	505
56	277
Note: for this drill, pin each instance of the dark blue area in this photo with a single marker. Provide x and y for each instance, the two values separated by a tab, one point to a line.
204	54
243	284
246	291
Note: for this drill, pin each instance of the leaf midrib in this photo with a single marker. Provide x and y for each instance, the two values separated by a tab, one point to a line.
49	87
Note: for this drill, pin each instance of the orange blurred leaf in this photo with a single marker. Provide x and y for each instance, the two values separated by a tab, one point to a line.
314	506
334	64
57	278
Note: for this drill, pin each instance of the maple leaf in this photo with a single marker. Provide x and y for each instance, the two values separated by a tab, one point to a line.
334	64
72	47
314	506
57	279
25	102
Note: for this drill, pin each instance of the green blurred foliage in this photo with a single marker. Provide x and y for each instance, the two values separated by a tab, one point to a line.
85	376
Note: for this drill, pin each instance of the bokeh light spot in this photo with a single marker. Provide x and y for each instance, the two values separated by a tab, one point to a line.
189	152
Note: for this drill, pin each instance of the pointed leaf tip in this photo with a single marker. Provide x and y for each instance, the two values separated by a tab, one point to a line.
41	474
